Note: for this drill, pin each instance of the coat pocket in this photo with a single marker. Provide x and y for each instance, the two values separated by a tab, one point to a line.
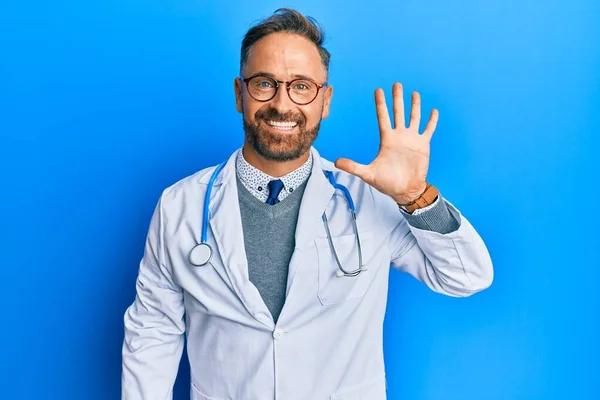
374	389
333	289
195	394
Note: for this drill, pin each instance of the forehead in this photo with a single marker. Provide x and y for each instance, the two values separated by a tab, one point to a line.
285	55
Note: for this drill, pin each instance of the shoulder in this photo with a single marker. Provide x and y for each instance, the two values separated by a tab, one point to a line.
189	183
192	189
193	186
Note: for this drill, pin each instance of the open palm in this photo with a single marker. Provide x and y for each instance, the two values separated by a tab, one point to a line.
400	168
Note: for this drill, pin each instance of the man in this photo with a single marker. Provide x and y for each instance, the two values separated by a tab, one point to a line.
269	311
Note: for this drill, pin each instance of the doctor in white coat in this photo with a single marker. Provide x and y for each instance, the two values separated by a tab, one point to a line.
271	316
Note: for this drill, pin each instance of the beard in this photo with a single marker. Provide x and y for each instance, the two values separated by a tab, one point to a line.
283	146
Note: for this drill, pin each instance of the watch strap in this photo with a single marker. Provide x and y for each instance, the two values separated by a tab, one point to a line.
427	198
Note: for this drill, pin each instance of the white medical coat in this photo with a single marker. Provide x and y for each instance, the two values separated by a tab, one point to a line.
328	340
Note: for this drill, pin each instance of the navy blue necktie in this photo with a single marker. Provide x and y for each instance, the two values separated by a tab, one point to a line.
275	187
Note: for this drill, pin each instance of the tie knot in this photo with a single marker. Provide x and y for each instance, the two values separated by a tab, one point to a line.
275	187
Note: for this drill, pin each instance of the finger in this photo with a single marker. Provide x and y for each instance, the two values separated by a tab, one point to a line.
383	116
352	167
431	125
398	107
415	111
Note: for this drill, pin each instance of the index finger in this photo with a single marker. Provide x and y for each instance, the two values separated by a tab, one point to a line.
383	117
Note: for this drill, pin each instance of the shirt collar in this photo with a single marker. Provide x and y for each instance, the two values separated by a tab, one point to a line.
258	180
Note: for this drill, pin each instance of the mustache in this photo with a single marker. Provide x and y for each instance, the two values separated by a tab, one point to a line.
273	115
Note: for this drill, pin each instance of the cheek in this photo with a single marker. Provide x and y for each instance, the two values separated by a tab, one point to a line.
249	111
313	114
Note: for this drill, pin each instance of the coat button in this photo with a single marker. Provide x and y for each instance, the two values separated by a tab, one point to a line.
277	334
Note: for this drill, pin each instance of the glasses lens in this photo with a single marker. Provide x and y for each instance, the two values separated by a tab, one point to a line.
303	91
262	88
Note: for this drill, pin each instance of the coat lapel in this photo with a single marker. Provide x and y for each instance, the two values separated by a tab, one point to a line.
226	226
317	196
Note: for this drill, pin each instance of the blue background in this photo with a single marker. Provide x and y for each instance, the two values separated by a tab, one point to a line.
105	103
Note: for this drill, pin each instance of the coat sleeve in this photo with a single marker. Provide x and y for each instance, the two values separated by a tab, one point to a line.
154	324
456	263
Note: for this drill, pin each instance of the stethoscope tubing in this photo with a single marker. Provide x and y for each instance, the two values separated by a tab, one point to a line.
207	202
331	178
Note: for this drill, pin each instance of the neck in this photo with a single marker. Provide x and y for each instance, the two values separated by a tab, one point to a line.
275	169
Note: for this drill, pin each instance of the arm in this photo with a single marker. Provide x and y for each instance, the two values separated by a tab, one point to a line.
448	256
440	248
433	217
154	325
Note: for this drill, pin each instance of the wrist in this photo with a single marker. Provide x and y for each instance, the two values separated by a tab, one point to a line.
410	197
428	197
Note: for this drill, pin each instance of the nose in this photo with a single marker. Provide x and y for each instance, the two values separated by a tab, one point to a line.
282	102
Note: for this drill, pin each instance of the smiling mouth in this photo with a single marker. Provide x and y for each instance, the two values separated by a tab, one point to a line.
284	126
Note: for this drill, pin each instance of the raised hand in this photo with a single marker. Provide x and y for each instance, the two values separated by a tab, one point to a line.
400	168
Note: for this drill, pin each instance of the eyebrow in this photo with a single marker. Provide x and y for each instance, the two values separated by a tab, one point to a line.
295	76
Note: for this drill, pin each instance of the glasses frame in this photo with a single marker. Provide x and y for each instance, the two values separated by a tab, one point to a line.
288	84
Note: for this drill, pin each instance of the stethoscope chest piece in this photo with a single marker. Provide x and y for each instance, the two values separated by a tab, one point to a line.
201	254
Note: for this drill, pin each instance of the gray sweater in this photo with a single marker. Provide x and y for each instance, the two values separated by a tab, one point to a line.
269	238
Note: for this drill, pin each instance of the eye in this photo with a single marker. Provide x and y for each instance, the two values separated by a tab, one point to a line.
304	86
262	83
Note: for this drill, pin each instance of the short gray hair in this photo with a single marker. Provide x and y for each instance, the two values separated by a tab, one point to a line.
290	21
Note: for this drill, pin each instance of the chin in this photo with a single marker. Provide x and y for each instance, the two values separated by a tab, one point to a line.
279	153
278	145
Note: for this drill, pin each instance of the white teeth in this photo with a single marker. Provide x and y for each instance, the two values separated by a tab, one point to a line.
282	125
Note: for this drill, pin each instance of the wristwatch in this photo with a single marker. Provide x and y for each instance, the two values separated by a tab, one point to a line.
428	197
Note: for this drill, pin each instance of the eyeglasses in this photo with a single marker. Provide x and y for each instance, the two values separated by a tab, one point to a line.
301	91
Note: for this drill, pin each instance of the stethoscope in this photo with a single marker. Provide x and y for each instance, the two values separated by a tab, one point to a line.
202	253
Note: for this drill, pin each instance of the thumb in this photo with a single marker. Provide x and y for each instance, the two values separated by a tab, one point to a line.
352	167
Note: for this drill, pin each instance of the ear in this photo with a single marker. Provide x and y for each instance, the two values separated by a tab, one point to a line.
237	87
327	101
